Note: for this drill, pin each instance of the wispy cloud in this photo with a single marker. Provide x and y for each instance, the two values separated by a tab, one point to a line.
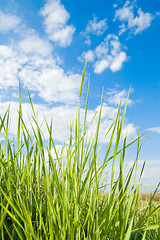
108	54
90	55
55	22
95	27
155	129
114	96
8	22
132	18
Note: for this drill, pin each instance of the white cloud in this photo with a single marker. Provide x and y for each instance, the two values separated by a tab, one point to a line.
89	54
88	40
8	22
39	74
136	23
108	54
130	131
9	73
63	36
55	22
100	66
95	27
50	81
122	28
30	59
125	13
108	112
113	97
155	129
5	52
116	65
115	46
102	50
32	44
141	22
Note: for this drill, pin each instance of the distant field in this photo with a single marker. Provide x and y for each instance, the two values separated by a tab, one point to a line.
147	196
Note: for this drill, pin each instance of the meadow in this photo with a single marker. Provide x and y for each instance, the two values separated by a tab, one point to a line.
66	198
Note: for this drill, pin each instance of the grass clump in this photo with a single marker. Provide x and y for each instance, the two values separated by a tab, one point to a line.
65	199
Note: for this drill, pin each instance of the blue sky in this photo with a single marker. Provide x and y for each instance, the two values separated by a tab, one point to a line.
46	43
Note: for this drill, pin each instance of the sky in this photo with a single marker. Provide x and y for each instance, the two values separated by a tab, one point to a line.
45	44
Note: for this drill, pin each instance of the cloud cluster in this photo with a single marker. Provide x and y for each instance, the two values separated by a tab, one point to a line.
38	73
133	19
50	81
42	76
55	22
108	54
31	60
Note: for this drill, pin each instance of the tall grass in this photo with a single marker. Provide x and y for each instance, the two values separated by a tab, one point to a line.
65	199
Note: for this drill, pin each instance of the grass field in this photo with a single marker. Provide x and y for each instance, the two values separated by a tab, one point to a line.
65	199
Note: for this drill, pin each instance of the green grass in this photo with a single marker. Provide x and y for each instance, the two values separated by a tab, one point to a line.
65	199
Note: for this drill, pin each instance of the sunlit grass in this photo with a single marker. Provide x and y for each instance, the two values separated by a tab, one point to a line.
65	199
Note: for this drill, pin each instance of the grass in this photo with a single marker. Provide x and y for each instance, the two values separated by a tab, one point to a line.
65	199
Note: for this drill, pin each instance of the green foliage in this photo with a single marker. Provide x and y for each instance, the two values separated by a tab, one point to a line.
64	199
